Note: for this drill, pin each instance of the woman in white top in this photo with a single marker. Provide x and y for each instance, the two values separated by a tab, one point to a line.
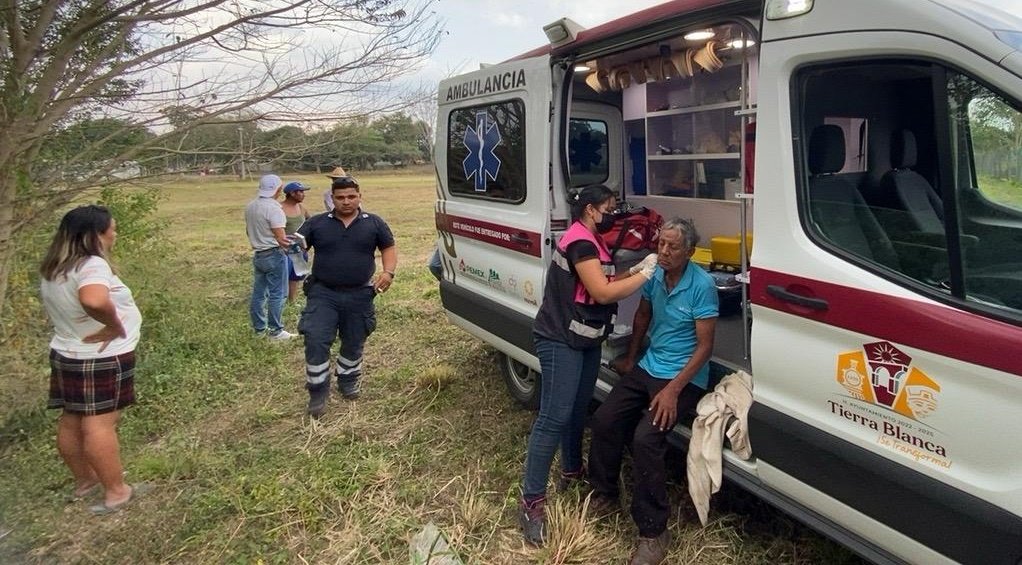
92	354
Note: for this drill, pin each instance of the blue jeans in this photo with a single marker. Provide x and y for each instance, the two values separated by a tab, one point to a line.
569	377
269	290
435	265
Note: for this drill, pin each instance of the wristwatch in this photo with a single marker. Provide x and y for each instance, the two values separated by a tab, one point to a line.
391	273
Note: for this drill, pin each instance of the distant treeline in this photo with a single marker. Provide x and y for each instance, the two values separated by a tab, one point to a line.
225	146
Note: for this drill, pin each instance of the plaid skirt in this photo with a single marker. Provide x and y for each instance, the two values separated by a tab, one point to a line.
92	386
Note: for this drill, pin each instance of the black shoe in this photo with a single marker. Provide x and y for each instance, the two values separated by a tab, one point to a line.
349	389
317	401
532	520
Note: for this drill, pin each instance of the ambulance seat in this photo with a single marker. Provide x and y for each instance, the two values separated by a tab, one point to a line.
912	192
837	209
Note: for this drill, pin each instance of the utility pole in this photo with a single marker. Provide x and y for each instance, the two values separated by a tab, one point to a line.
241	150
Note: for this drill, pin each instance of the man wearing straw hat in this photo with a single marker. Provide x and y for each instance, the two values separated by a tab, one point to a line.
328	200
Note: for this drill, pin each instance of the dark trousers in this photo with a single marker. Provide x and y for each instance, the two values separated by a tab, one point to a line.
329	313
623	418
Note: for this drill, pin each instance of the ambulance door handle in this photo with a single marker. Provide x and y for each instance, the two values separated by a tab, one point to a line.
521	239
781	293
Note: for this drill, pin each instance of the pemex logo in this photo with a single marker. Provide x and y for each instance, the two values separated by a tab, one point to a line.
883	375
481	163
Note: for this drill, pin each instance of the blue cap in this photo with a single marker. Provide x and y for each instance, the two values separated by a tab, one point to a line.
294	186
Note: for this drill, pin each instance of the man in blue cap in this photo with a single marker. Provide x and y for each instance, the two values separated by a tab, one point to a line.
264	224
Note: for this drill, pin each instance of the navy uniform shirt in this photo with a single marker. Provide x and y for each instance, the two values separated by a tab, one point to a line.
345	256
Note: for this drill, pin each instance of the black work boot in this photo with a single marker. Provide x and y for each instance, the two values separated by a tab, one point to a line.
317	400
348	387
651	551
532	519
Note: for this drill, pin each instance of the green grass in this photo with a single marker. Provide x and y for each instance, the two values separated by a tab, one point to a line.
242	476
1002	191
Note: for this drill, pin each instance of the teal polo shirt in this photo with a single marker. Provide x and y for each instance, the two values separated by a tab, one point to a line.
672	333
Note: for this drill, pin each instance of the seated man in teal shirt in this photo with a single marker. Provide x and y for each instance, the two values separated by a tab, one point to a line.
679	310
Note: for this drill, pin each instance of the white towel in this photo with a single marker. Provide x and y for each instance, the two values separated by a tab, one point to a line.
727	404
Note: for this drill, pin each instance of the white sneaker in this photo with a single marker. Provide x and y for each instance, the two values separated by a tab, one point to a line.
282	335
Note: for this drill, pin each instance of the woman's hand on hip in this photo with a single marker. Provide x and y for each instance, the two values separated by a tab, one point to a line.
105	335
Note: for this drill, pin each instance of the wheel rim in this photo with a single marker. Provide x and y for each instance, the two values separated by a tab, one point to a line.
523	378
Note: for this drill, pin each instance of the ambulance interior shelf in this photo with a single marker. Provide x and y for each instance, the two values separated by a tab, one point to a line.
682	134
693	137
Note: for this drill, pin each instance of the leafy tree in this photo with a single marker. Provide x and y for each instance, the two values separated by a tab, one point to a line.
100	139
401	136
174	67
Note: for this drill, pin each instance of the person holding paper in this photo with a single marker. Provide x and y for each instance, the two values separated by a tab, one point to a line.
295	214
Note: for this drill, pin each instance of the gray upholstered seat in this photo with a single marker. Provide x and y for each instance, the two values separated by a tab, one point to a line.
835	205
910	190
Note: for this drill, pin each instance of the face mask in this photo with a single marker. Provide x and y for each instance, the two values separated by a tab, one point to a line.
605	224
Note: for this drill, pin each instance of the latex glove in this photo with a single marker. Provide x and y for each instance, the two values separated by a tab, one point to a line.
646	267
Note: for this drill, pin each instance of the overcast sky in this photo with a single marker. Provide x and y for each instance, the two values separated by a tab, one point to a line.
490	31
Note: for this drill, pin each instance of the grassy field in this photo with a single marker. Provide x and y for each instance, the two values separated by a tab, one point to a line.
242	476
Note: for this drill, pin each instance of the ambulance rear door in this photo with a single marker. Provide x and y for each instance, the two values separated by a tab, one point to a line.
492	157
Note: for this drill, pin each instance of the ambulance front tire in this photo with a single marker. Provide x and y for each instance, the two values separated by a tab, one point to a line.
522	382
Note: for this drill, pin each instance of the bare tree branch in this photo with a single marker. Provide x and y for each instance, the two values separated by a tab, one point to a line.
182	79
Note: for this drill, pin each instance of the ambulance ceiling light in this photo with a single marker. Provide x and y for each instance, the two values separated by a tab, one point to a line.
700	34
564	30
782	9
582	68
740	43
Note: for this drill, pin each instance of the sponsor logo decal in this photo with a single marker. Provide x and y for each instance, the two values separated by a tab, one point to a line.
469	269
494	280
885	393
491	278
529	292
481	163
490	85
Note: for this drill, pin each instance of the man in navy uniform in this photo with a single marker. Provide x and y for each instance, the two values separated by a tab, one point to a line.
341	289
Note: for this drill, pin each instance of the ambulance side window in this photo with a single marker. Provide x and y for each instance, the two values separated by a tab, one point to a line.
986	141
486	151
930	195
587	152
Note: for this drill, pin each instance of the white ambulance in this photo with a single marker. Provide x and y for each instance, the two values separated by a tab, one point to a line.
869	153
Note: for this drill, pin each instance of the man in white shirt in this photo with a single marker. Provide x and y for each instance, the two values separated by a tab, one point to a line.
264	223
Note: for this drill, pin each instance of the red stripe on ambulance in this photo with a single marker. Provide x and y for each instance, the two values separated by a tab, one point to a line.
931	327
523	241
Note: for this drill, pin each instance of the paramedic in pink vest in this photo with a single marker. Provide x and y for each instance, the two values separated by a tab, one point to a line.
577	314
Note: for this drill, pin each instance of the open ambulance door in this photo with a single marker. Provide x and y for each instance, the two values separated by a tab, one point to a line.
492	157
883	385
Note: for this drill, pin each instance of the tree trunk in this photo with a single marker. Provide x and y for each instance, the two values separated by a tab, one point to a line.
8	187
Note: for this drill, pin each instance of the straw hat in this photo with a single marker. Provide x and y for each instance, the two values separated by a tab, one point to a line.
594	82
707	57
337	173
620	78
655	68
678	62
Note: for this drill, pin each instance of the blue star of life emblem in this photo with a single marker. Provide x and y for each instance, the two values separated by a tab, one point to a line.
481	163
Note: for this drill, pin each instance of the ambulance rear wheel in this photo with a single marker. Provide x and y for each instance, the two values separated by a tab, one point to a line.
522	382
